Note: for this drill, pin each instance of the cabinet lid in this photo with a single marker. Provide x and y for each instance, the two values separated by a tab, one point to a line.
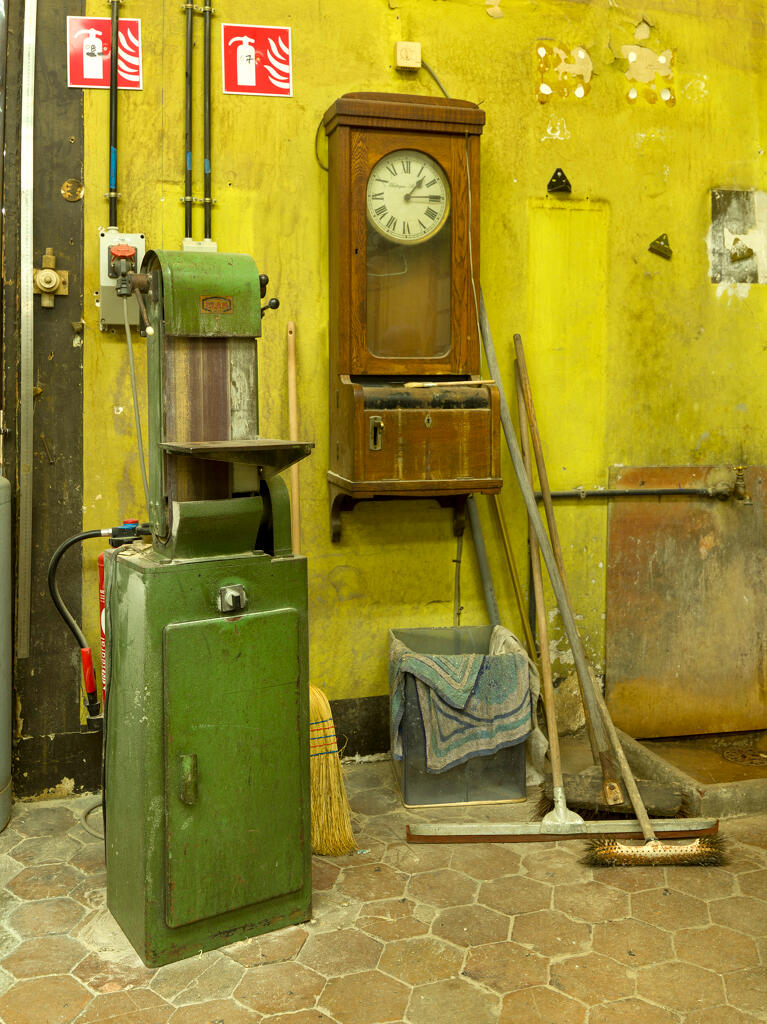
404	111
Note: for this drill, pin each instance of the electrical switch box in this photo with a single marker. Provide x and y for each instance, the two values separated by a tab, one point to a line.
109	302
407	56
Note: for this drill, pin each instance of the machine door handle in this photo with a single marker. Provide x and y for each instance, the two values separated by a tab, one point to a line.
188	778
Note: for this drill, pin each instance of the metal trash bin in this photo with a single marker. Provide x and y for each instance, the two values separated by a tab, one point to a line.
496	778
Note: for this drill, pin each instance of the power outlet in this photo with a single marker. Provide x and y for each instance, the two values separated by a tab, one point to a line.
407	56
109	302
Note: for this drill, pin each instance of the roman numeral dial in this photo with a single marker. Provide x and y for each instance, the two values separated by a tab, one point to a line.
408	197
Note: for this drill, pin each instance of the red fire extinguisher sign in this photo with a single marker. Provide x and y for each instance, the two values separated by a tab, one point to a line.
257	60
89	51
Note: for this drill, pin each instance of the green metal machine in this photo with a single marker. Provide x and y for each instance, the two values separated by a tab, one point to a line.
207	814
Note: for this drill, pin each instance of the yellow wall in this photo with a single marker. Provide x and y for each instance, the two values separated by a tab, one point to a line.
633	359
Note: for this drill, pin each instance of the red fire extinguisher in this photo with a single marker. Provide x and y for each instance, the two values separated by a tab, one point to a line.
102	619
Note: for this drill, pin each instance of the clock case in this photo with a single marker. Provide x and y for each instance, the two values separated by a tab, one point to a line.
386	440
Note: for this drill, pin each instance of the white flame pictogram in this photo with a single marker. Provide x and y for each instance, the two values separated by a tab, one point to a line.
277	64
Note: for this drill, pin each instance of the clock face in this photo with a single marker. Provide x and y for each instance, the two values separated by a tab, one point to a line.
408	197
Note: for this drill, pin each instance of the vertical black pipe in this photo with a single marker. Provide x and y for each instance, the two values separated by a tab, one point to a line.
206	121
114	44
188	139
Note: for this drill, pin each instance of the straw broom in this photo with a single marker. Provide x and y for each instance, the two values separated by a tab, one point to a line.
331	823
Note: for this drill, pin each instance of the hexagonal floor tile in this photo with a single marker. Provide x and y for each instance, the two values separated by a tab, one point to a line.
633	943
506	966
667	909
369	997
742	913
442	888
591	901
278	988
420	961
680	986
342	952
57	999
453	1001
719	949
470	926
592	978
51	954
540	1005
551	933
371	882
515	894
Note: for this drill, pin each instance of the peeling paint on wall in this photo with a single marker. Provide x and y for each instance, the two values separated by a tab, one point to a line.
563	73
651	69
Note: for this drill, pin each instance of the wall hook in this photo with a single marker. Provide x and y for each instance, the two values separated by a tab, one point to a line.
558	182
660	246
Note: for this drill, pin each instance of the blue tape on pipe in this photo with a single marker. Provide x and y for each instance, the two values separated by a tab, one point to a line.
112	167
207	166
189	161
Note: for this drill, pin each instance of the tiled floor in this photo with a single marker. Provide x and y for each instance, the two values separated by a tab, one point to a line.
463	934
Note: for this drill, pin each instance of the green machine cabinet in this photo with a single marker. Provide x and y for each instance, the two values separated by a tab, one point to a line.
207	807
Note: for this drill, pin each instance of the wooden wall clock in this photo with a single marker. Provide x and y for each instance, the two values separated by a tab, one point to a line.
404	287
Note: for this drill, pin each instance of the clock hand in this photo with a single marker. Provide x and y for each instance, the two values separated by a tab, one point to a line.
412	190
427	199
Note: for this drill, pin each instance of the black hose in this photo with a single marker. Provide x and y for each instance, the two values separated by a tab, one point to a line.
54	587
114	44
206	122
188	136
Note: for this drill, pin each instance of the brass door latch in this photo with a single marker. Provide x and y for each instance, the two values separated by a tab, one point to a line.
50	282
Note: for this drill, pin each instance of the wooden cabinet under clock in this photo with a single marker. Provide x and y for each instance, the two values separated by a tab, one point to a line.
404	292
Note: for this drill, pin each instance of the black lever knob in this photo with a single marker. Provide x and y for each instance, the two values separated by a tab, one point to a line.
271	304
263	280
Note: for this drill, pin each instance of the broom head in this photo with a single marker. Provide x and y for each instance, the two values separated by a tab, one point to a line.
704	851
331	822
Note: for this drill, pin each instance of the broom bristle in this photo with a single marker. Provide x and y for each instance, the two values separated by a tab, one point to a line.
331	823
704	851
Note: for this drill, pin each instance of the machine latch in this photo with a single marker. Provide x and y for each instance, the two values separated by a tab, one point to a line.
188	788
232	599
376	433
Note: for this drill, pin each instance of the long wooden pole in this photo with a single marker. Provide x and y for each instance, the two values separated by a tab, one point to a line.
295	512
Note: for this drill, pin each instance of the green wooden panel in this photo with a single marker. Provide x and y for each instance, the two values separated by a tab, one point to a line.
233	793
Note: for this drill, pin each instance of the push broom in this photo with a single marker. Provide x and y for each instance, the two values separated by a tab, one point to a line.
331	821
703	850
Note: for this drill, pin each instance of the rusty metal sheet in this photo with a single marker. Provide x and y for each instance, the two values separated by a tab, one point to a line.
686	630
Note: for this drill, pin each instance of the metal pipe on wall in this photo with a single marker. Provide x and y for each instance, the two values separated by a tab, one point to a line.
484	565
114	47
207	201
188	124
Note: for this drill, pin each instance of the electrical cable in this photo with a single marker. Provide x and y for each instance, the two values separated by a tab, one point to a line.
53	586
457	606
137	417
426	67
316	141
94	806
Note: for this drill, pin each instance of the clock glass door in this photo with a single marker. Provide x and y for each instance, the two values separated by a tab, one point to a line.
408	257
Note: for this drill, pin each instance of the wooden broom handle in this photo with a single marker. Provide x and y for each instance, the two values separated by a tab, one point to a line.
295	520
547	682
